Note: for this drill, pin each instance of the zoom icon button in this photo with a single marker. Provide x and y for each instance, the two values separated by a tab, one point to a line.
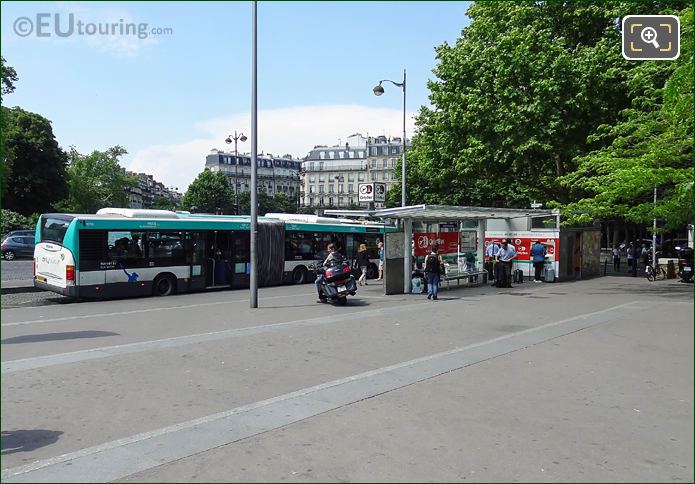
651	37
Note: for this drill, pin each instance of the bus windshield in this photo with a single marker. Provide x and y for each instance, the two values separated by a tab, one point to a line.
54	226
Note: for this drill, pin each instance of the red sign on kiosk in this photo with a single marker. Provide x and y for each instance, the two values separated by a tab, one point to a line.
448	242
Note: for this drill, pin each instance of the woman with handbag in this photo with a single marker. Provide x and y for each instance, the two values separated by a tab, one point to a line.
434	265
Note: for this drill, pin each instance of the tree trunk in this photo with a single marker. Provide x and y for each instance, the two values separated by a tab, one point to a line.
616	233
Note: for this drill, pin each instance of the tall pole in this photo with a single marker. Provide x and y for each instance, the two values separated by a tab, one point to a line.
403	155
654	233
253	280
236	176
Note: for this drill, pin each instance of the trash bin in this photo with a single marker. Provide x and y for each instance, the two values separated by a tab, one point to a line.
670	270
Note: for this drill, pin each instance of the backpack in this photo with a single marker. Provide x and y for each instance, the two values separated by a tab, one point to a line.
432	264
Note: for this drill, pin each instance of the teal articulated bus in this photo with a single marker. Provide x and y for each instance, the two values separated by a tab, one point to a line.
125	252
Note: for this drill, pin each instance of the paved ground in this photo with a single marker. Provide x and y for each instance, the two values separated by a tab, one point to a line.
586	381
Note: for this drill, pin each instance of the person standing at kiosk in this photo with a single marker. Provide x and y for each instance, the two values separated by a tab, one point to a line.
505	257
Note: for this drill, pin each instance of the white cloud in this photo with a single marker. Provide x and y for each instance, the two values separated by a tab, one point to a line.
122	39
289	130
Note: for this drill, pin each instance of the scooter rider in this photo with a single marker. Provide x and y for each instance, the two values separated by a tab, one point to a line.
334	257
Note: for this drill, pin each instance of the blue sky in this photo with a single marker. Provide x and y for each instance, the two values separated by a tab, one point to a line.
170	98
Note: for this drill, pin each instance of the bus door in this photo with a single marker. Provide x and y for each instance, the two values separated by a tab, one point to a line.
240	258
218	263
195	246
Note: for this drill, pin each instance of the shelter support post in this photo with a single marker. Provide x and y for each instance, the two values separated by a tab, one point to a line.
407	254
480	246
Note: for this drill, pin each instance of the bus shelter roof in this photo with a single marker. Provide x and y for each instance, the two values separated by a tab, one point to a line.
443	212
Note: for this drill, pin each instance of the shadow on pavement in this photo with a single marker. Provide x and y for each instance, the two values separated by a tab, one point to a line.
14	441
35	338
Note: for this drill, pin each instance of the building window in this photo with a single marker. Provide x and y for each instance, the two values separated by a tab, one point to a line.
312	179
322	155
330	201
341	154
311	166
351	154
312	189
384	176
393	176
320	165
311	201
360	177
320	188
360	154
331	154
384	163
373	176
351	188
393	163
373	151
340	188
330	188
372	163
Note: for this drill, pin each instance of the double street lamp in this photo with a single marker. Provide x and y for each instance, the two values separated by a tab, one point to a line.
236	137
378	91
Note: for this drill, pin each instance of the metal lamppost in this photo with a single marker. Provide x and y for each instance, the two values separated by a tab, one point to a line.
253	279
378	91
236	137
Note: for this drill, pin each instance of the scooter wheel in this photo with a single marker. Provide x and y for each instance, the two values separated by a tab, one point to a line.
342	301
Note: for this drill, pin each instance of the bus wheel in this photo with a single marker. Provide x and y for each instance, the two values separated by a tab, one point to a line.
8	255
299	275
164	285
372	271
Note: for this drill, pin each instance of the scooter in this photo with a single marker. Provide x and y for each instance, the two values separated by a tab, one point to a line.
685	263
337	284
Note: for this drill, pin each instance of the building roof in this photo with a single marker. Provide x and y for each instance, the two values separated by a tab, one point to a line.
443	212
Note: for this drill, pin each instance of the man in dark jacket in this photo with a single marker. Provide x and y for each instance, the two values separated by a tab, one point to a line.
538	252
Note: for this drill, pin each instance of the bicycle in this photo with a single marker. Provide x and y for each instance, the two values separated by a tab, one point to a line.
655	274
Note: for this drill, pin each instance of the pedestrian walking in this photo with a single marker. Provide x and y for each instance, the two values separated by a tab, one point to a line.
632	259
616	259
380	245
362	263
505	258
634	251
538	253
433	269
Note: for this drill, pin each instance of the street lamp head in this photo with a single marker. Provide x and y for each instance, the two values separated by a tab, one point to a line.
243	138
378	90
228	140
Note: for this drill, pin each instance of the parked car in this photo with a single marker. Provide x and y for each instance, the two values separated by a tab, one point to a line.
22	233
17	246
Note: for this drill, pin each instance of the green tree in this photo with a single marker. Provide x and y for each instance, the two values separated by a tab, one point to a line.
33	164
651	146
96	181
9	76
516	98
208	192
14	221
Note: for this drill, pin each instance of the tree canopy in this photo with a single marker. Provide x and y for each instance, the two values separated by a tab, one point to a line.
96	181
651	146
34	176
528	91
209	192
